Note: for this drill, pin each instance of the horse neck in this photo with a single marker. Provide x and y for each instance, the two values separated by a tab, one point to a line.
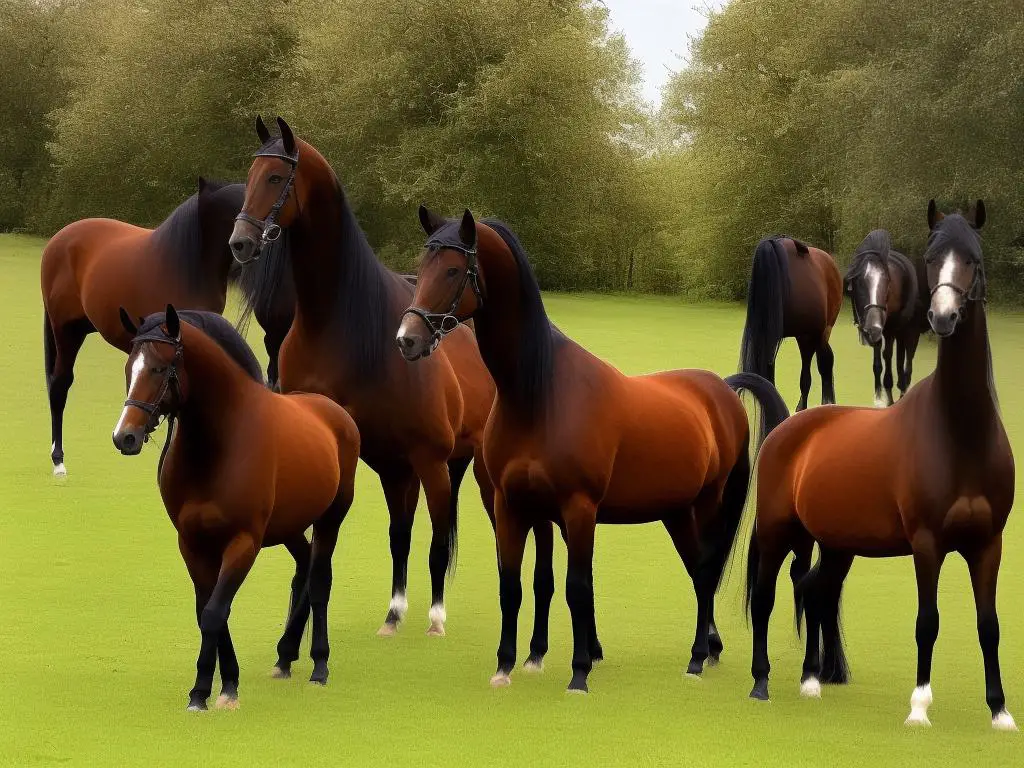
215	388
962	376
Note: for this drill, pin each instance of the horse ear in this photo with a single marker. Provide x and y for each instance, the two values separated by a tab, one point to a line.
430	221
467	229
126	321
173	323
934	217
261	130
979	215
286	136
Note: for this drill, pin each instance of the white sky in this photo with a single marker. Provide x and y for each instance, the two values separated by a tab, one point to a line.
656	31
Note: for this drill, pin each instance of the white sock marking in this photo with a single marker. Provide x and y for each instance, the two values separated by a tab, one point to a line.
1004	722
437	614
399	605
920	700
811	688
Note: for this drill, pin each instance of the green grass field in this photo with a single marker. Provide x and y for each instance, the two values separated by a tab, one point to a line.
98	637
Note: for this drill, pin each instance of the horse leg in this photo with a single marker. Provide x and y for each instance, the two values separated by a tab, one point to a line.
325	538
984	568
298	608
877	369
826	364
543	591
824	585
768	552
685	537
401	492
511	534
67	341
908	370
901	362
580	516
834	669
440	491
887	354
927	564
806	353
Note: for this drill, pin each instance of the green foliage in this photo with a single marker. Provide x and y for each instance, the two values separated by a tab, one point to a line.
826	119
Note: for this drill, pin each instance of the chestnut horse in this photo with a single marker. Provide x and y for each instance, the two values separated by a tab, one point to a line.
934	474
419	424
572	440
889	310
795	291
93	266
243	469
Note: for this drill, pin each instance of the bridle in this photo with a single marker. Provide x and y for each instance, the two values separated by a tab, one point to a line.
858	316
974	292
443	323
269	229
171	382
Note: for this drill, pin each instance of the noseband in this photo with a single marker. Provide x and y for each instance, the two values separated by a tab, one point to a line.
974	292
170	383
443	323
269	229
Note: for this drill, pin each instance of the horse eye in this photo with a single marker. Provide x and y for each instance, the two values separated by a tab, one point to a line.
452	271
275	179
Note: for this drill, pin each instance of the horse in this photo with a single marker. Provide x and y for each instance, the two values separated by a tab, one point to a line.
93	266
887	307
934	474
795	291
419	424
572	440
243	468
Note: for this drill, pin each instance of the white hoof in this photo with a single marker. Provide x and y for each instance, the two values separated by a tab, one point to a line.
810	688
691	676
436	630
279	674
226	702
501	680
879	403
194	708
60	470
387	630
920	700
918	718
533	667
1004	722
438	616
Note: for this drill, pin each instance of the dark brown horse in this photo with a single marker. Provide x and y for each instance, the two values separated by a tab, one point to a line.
572	440
889	310
934	474
795	291
419	424
93	266
243	469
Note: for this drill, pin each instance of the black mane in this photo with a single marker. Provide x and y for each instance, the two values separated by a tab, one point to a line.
218	329
954	232
538	337
877	248
178	240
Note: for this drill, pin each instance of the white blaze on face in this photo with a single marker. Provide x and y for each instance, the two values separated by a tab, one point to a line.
945	300
138	364
873	278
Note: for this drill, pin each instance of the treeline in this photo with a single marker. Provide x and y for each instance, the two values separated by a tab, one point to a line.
818	118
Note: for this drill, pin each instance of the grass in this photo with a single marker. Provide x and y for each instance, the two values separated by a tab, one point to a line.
98	636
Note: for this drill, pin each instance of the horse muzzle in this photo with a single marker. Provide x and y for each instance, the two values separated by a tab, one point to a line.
129	441
244	242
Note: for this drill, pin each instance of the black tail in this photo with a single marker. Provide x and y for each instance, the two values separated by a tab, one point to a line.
49	349
766	300
267	286
835	669
456	471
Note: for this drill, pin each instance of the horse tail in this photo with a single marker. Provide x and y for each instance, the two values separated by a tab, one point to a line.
456	472
766	300
49	348
835	669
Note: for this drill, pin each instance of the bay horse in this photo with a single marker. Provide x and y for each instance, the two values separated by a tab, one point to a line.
795	291
572	440
244	468
889	310
419	424
934	474
92	267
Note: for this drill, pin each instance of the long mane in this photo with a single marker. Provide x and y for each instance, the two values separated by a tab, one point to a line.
218	329
538	336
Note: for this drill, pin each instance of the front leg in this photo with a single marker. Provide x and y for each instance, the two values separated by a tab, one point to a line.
511	533
580	516
887	353
927	564
401	492
441	504
877	369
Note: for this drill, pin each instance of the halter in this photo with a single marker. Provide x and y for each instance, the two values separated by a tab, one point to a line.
171	382
270	230
443	323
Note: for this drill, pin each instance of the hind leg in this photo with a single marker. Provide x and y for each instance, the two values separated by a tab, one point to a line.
826	364
807	346
68	340
441	502
685	537
298	607
768	552
887	354
325	538
878	369
401	492
822	605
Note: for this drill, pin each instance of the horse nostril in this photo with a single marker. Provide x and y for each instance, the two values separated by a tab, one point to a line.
238	245
128	441
931	315
406	342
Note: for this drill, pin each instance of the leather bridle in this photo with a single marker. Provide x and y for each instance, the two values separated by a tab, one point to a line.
270	230
171	383
443	323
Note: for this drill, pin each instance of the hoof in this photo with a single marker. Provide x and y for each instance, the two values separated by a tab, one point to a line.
534	666
760	690
810	688
714	660
436	630
880	403
315	679
1004	722
501	680
281	673
60	470
695	668
389	629
320	673
227	702
196	706
578	687
917	719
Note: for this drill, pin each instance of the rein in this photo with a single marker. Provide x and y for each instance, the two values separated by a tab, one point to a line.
270	230
170	383
443	323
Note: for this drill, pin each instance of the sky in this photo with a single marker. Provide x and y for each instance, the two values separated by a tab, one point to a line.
656	31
